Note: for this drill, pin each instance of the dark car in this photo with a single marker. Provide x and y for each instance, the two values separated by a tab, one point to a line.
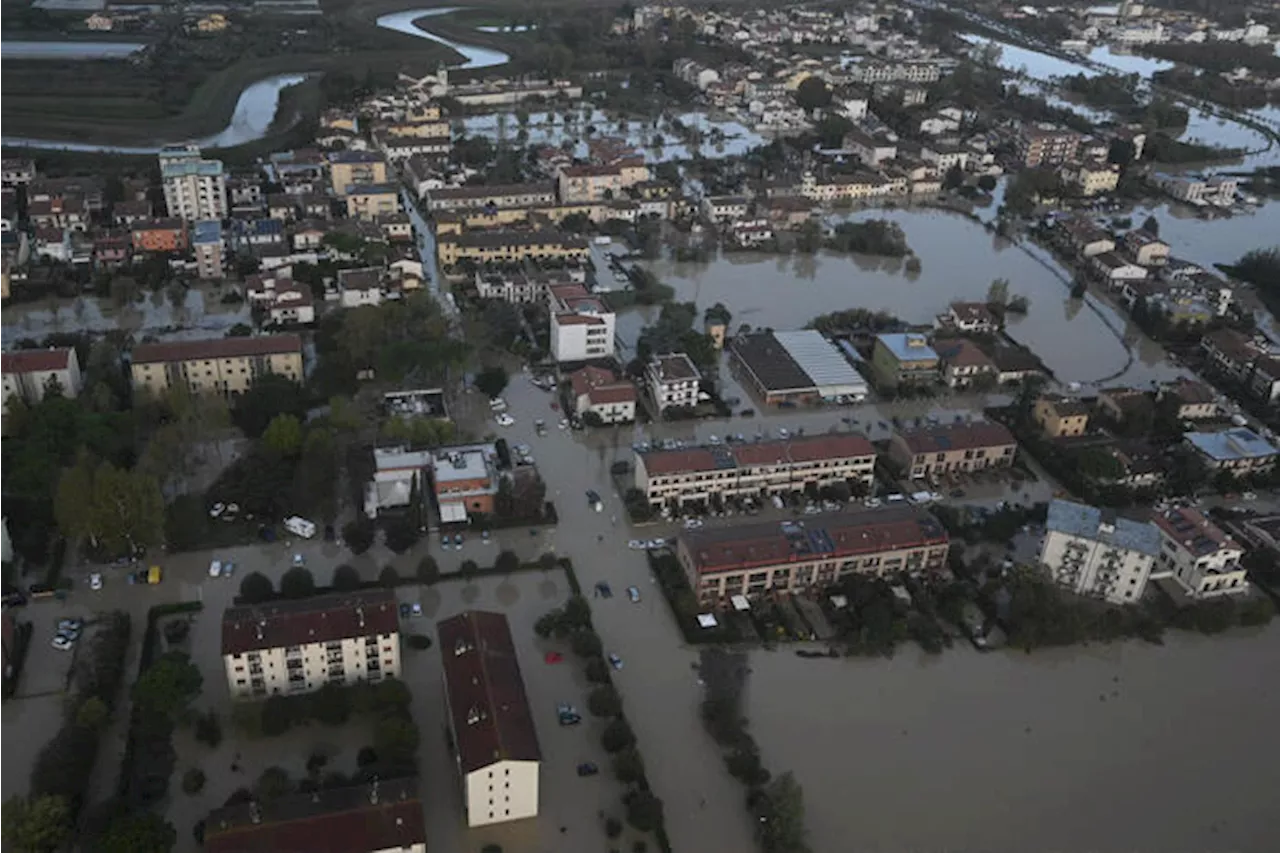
587	768
405	610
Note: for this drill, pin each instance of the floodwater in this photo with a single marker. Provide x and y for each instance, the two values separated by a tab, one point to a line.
1113	748
198	316
1079	341
68	49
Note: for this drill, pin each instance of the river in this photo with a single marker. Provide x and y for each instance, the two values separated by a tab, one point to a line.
68	49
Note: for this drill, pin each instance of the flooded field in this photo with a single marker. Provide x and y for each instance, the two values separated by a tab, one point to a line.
199	315
1123	748
1078	341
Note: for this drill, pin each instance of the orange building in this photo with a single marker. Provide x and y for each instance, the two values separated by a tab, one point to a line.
160	235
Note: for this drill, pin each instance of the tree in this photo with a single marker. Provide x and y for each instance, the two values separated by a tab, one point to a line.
617	736
987	183
628	766
998	292
277	716
389	577
273	784
395	737
298	582
401	534
331	705
644	811
954	178
193	781
813	94
491	381
168	685
284	435
1151	224
507	562
612	827
39	825
345	578
419	642
208	729
468	569
1121	152
604	701
256	587
428	570
359	534
73	500
140	832
270	395
587	644
782	824
92	713
1095	463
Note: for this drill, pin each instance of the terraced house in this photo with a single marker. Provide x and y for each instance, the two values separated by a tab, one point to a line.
760	469
939	451
507	247
794	556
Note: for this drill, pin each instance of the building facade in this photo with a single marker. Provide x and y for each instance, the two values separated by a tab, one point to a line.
673	381
904	358
1060	417
1196	553
216	365
297	646
766	557
194	188
28	374
582	327
603	394
489	720
355	168
940	451
1096	553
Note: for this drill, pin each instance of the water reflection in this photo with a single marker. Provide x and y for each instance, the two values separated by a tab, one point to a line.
68	49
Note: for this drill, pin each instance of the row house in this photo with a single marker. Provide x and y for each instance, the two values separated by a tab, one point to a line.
523	284
600	182
941	451
217	365
507	247
495	197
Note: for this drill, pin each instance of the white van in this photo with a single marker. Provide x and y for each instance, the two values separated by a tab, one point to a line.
300	527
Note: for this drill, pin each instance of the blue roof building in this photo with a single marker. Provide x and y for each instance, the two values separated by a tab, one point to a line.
1097	553
206	232
1238	449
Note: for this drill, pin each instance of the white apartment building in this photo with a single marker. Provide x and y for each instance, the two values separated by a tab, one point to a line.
758	469
673	381
1196	553
362	286
582	328
1094	552
27	373
194	188
495	741
300	645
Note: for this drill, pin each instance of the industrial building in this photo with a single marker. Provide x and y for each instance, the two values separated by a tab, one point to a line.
796	367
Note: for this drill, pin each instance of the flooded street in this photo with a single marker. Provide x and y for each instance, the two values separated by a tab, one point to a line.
1105	749
959	260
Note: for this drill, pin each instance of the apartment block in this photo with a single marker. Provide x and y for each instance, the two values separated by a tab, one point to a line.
1196	553
673	381
939	451
489	720
216	365
194	188
370	201
356	168
757	469
206	241
1097	553
29	372
299	645
1060	417
498	197
793	556
508	247
904	358
582	327
600	183
1046	145
1239	451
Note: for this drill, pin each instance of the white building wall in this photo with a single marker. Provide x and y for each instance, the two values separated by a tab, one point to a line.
312	663
583	341
1081	565
505	791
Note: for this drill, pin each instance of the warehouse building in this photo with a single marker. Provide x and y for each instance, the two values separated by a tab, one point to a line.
788	368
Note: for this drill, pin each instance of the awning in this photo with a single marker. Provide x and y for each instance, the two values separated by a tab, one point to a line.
453	513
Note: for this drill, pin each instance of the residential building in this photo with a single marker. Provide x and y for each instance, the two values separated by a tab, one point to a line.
1199	190
904	358
508	247
223	365
582	327
160	235
792	556
465	481
1060	417
673	381
1045	145
496	197
1196	401
206	241
1085	238
291	305
758	469
355	169
1116	270
194	188
1147	249
973	318
600	182
604	394
17	171
1094	552
938	451
384	816
796	367
1196	553
879	71
1231	353
872	149
1091	177
28	373
523	284
495	742
722	209
1239	451
299	645
964	364
1264	379
369	201
361	286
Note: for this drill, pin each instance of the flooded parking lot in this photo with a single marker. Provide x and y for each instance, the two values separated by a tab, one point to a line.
1112	748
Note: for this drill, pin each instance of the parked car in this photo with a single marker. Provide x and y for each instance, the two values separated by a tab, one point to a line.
636	544
634	594
416	608
615	661
228	569
593	501
587	768
553	657
95	581
504	420
404	610
567	714
62	643
298	560
657	543
215	568
457	541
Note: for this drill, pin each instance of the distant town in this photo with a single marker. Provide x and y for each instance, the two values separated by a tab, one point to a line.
461	429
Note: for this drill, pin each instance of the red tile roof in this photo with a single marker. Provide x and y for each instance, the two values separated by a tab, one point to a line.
490	713
216	348
319	619
969	436
601	386
384	816
803	449
835	536
35	360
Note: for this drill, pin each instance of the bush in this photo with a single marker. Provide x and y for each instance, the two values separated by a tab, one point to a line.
345	578
276	716
419	642
628	766
468	569
208	729
644	811
428	570
597	671
331	705
587	644
389	577
176	631
298	582
401	535
256	587
316	762
359	534
193	781
617	736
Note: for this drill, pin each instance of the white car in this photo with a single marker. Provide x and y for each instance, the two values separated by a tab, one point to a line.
62	643
636	544
657	543
634	594
217	510
95	581
692	523
505	420
215	568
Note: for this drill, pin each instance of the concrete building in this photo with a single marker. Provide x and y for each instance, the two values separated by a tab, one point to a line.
508	247
206	241
796	367
964	364
222	365
385	816
29	372
582	326
1196	401
904	358
370	201
194	188
360	286
971	318
299	645
1060	417
1092	177
759	469
1147	249
794	556
603	394
1046	145
465	480
673	380
1200	191
1197	554
939	451
600	182
1094	552
496	197
291	305
1238	450
489	720
356	168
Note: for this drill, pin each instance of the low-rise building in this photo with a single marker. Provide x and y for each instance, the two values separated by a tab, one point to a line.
600	182
291	305
360	286
725	208
370	201
759	469
673	381
489	720
1147	249
292	646
496	197
1196	553
1239	451
30	373
603	394
582	326
904	358
1117	270
791	556
938	451
510	247
465	480
1231	353
222	365
1060	417
356	168
964	364
1097	553
1084	238
973	318
160	235
1196	401
1091	177
796	367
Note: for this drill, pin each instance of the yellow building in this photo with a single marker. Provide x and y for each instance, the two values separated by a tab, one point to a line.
600	183
223	365
1092	178
356	168
482	247
368	201
1060	417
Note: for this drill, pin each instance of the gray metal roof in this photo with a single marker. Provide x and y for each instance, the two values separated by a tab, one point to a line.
819	358
1087	522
